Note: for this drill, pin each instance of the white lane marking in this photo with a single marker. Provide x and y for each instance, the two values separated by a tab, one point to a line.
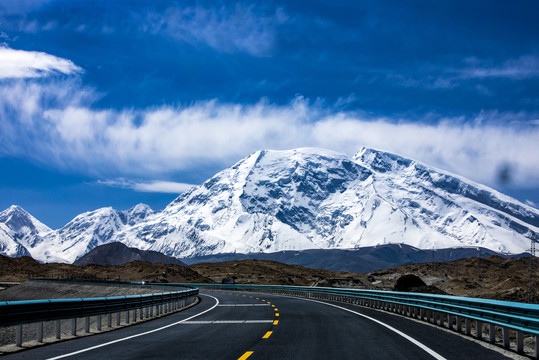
244	305
137	335
409	338
228	322
258	321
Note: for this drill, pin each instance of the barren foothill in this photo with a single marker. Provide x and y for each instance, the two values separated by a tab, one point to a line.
491	277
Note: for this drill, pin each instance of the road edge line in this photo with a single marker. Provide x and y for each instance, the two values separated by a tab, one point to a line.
137	335
407	337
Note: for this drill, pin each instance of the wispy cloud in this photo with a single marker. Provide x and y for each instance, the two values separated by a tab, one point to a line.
167	187
56	125
21	6
521	68
227	28
230	29
33	64
471	69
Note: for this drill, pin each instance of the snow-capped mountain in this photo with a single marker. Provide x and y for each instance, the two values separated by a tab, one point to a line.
76	238
308	199
19	231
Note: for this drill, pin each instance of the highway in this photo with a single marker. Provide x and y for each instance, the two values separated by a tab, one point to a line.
233	325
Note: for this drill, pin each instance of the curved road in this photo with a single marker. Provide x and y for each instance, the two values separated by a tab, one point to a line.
227	325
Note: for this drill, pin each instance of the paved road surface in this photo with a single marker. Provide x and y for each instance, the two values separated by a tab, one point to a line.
235	326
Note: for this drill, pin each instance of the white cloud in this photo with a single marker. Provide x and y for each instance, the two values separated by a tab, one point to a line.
521	68
159	186
439	77
226	29
32	64
155	142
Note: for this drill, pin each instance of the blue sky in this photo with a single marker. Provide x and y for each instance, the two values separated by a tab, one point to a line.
112	103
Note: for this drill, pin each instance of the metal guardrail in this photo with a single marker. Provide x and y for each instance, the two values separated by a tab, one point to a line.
24	312
16	313
447	311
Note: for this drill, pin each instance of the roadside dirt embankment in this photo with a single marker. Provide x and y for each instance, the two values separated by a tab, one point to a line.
35	290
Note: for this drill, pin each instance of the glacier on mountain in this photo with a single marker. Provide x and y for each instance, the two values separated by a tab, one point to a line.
299	199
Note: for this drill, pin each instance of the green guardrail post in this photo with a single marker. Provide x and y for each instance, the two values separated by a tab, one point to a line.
491	333
40	332
18	335
536	350
505	336
58	328
520	342
479	330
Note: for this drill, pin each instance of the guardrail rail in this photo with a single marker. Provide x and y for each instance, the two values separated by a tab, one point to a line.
470	316
130	308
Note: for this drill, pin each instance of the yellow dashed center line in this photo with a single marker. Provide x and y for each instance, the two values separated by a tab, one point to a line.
246	355
268	334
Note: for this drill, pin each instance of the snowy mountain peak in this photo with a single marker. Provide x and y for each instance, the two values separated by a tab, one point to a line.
140	209
22	227
16	218
381	161
136	214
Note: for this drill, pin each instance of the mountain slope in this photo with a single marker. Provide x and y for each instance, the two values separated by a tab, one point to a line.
307	199
19	231
8	245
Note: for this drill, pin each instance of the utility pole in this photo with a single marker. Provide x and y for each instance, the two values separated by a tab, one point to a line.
532	282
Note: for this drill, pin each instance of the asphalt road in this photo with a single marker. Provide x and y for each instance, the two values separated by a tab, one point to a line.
234	326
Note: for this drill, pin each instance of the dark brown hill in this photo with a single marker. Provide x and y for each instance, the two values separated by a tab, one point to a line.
116	253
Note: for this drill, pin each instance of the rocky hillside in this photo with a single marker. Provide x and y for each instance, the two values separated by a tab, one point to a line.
23	268
492	277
